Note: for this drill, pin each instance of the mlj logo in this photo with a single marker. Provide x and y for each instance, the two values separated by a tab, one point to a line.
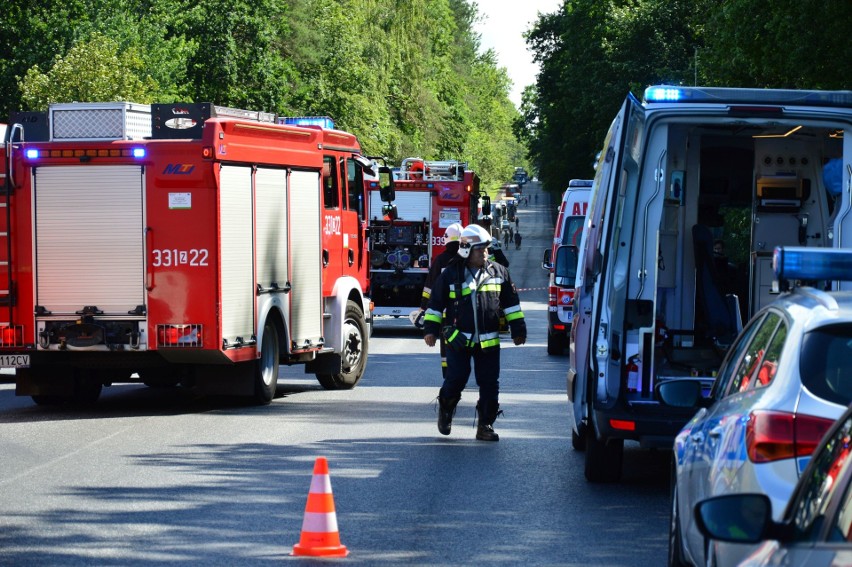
178	169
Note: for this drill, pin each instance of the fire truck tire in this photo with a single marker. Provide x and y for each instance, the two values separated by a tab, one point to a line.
86	391
354	351
266	367
603	458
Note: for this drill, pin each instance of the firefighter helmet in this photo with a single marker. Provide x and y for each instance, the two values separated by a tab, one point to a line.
473	236
453	232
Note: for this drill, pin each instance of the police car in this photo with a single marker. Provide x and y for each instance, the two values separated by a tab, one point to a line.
783	382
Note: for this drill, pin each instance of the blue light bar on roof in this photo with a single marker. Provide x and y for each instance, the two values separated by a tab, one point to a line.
737	96
802	263
580	183
322	121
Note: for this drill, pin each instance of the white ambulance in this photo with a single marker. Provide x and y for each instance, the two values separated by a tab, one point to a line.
567	232
681	174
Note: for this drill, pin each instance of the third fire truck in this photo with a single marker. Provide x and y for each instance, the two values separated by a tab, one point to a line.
180	244
407	231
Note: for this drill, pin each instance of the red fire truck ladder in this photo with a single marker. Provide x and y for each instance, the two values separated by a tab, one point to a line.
7	284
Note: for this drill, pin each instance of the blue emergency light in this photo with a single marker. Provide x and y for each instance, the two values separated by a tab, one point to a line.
322	121
739	96
802	263
138	152
32	154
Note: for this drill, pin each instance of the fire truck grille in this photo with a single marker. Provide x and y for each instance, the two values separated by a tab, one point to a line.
11	335
180	336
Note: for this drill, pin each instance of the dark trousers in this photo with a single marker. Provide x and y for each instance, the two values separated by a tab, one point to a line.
486	370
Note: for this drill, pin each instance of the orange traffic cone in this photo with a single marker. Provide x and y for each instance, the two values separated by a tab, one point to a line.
320	537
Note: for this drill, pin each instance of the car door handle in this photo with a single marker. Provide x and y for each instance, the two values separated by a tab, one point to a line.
697	438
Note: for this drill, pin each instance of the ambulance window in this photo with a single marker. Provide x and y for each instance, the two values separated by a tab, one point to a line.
331	195
355	188
573	230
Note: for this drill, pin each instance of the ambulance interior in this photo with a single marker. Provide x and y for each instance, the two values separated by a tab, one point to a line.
743	188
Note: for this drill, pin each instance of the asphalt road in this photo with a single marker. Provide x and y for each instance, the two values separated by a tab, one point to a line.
160	476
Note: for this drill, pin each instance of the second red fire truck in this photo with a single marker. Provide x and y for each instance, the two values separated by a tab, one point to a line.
407	230
180	244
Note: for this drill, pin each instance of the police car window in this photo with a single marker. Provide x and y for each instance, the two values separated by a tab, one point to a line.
330	193
730	364
749	365
825	363
814	493
769	365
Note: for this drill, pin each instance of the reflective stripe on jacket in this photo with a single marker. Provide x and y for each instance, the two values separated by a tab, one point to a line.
494	292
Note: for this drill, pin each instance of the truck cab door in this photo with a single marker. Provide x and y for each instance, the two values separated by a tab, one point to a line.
590	330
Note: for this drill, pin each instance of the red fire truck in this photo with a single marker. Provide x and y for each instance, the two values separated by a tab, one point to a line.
180	244
408	230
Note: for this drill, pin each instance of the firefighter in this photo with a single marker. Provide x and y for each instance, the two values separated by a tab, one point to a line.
451	242
465	311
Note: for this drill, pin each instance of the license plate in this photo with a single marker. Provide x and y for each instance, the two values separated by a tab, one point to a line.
14	361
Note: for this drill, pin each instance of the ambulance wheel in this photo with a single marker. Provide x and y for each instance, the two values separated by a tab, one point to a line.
266	367
353	353
555	345
578	440
603	458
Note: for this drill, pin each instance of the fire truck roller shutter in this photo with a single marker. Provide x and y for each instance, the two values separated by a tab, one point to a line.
272	276
238	291
305	300
74	266
412	206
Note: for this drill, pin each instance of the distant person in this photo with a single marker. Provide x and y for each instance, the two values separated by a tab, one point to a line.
517	240
506	237
517	222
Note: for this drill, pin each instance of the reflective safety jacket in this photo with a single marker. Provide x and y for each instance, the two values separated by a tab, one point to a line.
472	304
441	261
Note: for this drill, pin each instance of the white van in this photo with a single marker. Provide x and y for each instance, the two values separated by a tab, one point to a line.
687	170
567	231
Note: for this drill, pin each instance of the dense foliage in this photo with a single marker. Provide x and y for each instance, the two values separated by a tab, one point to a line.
406	76
593	52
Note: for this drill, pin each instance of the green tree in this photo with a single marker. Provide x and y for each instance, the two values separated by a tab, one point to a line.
93	70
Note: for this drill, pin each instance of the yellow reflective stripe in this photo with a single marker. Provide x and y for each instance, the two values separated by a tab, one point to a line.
512	309
490	343
513	316
433	316
427	292
490	287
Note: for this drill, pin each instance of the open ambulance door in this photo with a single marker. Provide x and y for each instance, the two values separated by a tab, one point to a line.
593	319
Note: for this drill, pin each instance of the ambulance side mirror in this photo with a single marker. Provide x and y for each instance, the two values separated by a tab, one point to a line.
547	261
386	191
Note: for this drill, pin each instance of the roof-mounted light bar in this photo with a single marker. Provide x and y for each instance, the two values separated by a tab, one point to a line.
321	121
667	94
802	263
580	183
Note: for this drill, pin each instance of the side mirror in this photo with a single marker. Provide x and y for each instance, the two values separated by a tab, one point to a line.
681	393
386	190
486	205
737	518
389	212
547	261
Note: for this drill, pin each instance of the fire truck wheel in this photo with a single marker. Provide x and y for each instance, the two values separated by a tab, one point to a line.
266	367
354	351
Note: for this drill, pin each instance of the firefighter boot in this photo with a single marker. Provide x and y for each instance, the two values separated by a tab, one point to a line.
488	412
446	410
